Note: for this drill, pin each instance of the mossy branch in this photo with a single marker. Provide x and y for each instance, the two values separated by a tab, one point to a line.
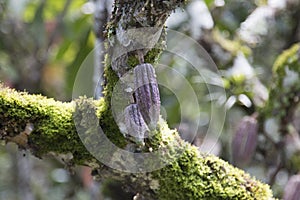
192	176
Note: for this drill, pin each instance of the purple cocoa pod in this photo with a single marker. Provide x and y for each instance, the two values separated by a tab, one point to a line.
147	93
292	188
244	141
134	122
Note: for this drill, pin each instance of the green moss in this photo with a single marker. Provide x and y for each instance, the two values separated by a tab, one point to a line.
290	58
190	175
153	55
294	162
132	61
107	121
197	176
54	128
288	61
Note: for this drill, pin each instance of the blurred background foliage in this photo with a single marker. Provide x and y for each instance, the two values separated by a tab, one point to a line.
44	42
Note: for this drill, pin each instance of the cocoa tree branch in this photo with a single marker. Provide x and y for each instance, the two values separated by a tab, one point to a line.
193	175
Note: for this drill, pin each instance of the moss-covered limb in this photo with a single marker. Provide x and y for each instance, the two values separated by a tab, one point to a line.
53	127
191	176
198	176
195	176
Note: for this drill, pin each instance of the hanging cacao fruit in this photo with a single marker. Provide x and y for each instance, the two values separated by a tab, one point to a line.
134	122
292	188
147	94
244	141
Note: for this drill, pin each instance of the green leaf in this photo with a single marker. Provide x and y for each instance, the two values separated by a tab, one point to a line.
63	48
37	28
83	50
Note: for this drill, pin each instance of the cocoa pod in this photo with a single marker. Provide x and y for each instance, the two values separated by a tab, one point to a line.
292	188
147	94
244	141
134	122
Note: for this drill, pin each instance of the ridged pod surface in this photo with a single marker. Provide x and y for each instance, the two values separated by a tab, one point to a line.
292	188
147	93
134	122
244	141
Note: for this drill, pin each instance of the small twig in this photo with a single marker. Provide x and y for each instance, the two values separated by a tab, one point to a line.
274	174
280	165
